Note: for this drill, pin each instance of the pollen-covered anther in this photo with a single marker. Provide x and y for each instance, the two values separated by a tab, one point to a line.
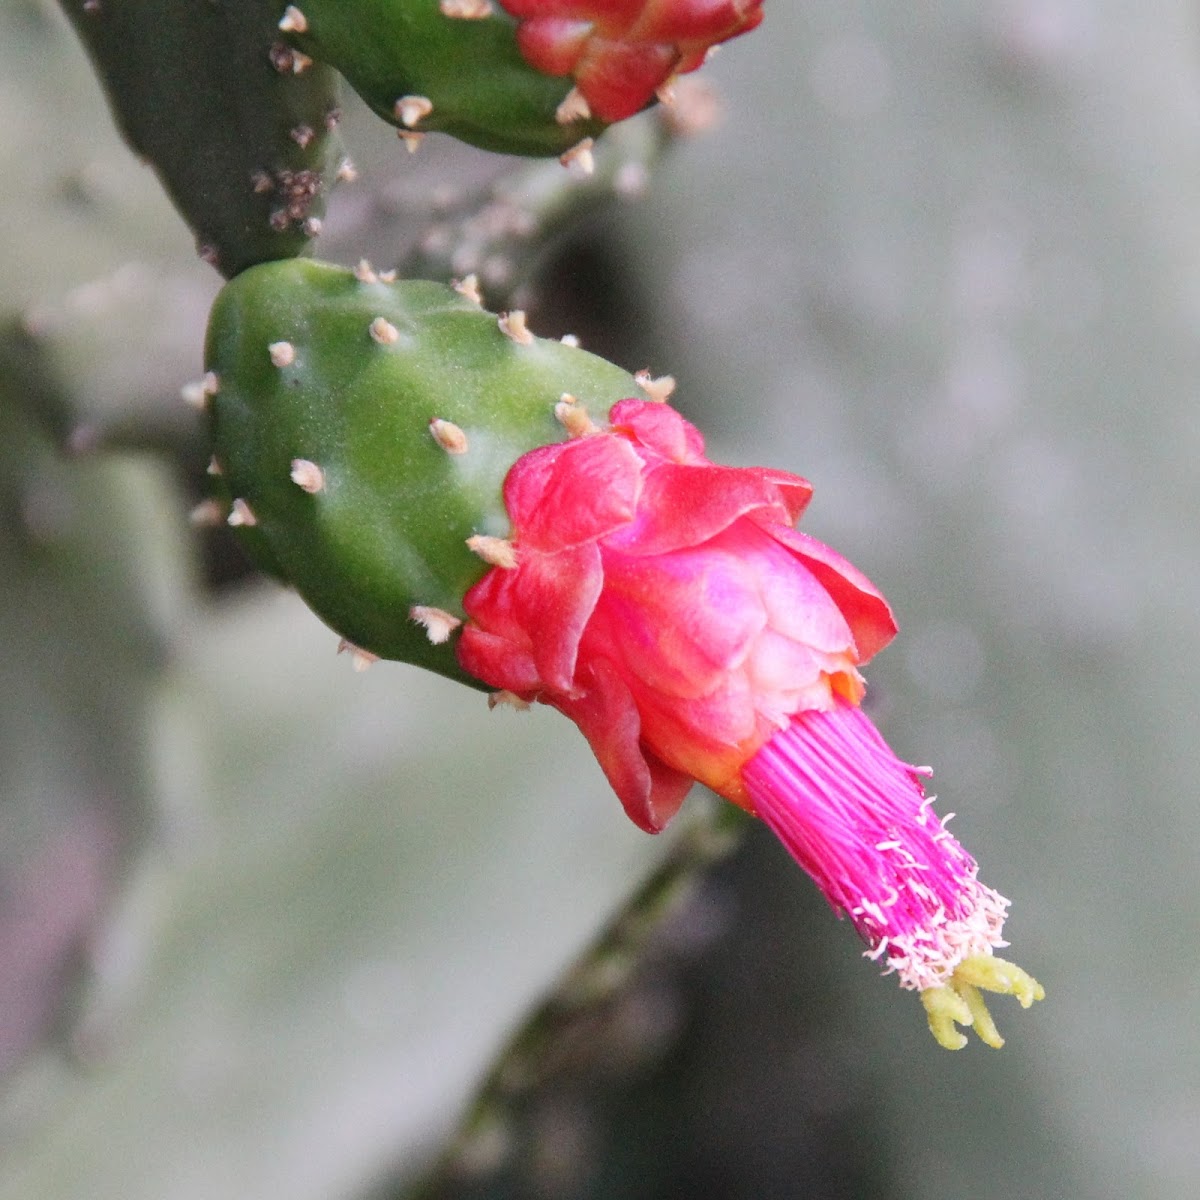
573	417
580	156
283	354
449	436
293	20
512	325
574	107
346	172
384	332
695	107
466	10
305	474
468	288
241	514
360	659
437	622
509	699
659	389
302	135
300	62
495	551
208	514
412	140
411	110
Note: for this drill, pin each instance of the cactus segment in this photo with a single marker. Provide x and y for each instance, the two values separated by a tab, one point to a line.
359	471
238	126
425	71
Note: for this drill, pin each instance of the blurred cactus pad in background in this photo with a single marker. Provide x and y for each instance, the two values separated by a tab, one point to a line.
273	926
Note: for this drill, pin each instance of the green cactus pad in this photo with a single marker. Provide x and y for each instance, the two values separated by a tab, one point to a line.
481	90
238	128
324	387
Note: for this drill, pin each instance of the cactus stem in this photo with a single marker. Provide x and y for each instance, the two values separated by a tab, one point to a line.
241	514
573	108
495	551
580	156
208	514
512	325
438	623
410	110
384	332
283	354
308	476
347	172
468	288
511	699
449	436
214	467
466	10
293	20
573	416
412	141
656	389
302	135
360	659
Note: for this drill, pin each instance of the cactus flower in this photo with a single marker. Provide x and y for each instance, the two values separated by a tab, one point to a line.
619	52
667	605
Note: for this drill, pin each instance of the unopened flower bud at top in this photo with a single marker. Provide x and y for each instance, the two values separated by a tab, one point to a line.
668	606
620	52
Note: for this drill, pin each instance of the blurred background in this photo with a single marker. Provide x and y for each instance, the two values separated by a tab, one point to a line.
265	922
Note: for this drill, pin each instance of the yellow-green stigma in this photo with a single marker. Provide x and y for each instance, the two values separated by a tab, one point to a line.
960	1002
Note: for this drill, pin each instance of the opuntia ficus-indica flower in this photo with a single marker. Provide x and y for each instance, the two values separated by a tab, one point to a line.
667	605
619	52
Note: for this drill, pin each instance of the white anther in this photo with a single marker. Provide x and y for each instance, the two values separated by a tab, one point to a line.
194	394
347	172
410	110
384	332
495	551
214	467
363	272
307	475
300	62
412	141
512	325
312	226
573	416
241	514
438	623
283	354
570	339
449	436
511	699
302	135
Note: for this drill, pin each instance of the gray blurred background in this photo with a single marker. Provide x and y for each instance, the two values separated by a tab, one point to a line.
264	922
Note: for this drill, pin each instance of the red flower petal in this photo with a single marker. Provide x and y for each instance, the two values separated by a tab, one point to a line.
553	44
658	427
572	492
866	611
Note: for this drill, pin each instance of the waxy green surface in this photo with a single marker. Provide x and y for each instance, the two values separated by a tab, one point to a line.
482	90
243	144
388	529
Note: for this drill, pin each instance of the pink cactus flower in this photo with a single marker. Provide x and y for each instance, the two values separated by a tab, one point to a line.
667	605
620	51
